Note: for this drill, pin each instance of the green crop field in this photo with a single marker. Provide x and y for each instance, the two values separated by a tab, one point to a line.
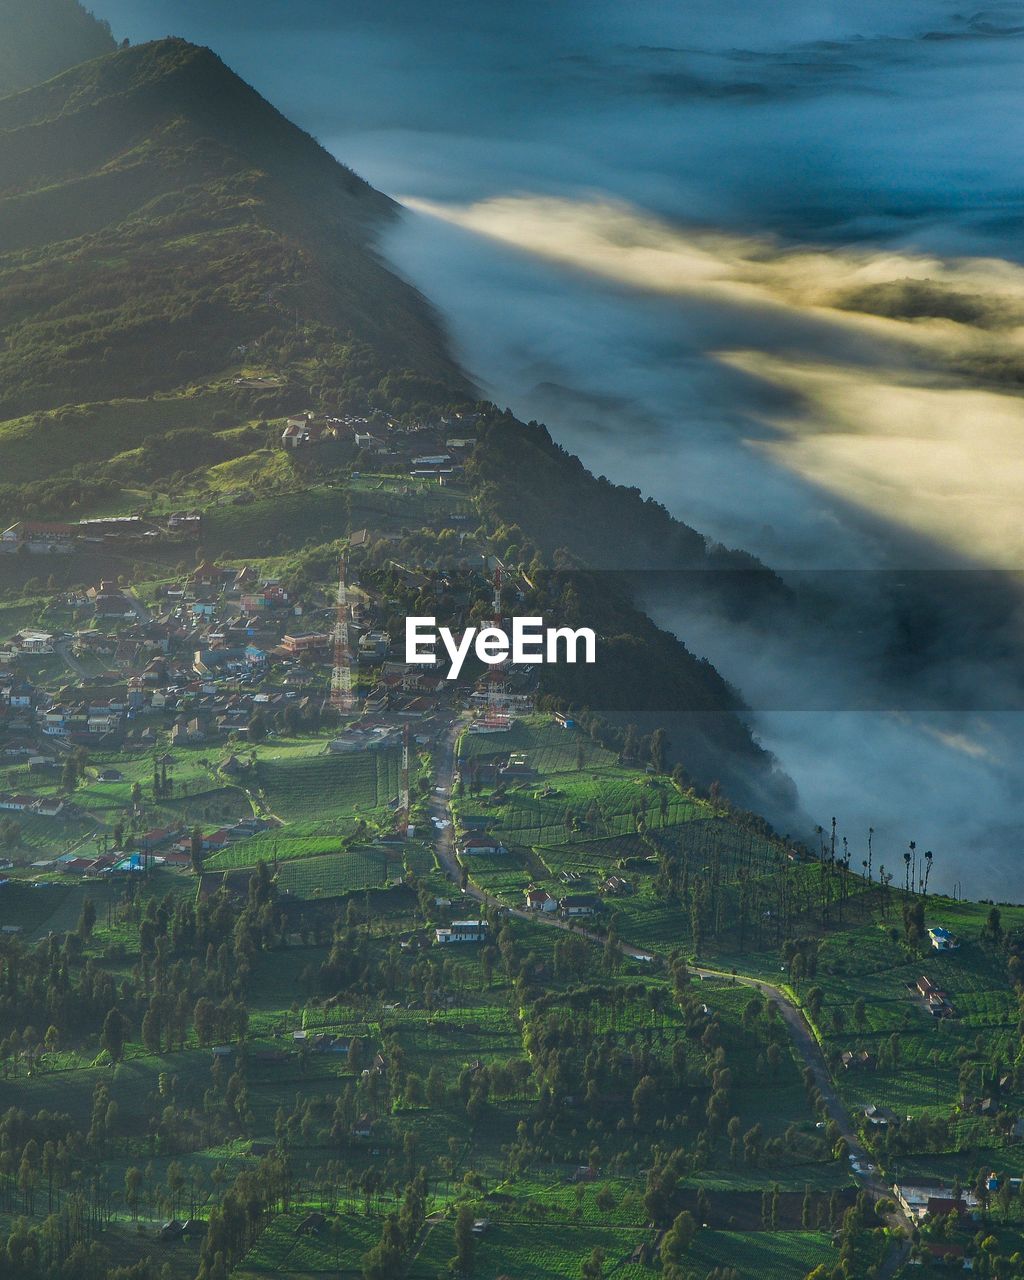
332	875
322	790
551	748
766	1255
270	847
90	432
337	1250
277	522
549	1250
28	906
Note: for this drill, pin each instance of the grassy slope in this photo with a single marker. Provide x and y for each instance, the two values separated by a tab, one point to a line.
156	212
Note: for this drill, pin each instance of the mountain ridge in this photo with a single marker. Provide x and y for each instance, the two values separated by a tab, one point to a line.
130	157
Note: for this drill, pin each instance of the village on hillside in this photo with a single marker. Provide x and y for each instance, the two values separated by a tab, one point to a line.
207	715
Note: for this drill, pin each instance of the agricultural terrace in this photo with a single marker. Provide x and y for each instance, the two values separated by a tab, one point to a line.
932	1073
322	793
570	815
297	515
459	1064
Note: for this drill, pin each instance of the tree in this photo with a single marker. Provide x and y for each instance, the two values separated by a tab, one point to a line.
605	1199
677	1239
436	1088
593	1267
115	1029
464	1239
132	1190
87	920
151	1030
645	1097
195	850
204	1019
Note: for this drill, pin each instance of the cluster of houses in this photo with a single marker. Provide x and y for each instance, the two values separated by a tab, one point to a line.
54	537
936	1001
162	846
920	1203
431	449
569	905
44	806
321	1042
201	660
104	864
225	655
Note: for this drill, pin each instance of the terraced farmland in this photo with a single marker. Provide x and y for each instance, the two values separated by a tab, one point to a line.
335	874
271	847
587	807
517	1249
281	1251
314	794
552	749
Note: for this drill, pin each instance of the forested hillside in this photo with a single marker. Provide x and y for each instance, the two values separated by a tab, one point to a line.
43	37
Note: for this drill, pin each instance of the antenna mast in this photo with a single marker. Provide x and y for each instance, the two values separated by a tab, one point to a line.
341	676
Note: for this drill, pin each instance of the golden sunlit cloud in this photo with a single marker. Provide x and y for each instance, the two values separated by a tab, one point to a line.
960	742
918	442
947	463
633	249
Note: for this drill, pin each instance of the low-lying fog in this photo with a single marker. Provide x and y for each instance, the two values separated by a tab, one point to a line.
761	261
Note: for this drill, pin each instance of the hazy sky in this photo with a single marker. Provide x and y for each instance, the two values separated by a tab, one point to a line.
759	260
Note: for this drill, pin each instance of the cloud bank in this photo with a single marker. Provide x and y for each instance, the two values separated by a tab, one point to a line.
906	428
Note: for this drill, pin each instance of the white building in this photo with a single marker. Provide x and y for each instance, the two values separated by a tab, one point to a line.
919	1203
943	940
34	641
462	931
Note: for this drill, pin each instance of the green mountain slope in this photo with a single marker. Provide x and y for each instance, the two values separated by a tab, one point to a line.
164	231
44	37
156	214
